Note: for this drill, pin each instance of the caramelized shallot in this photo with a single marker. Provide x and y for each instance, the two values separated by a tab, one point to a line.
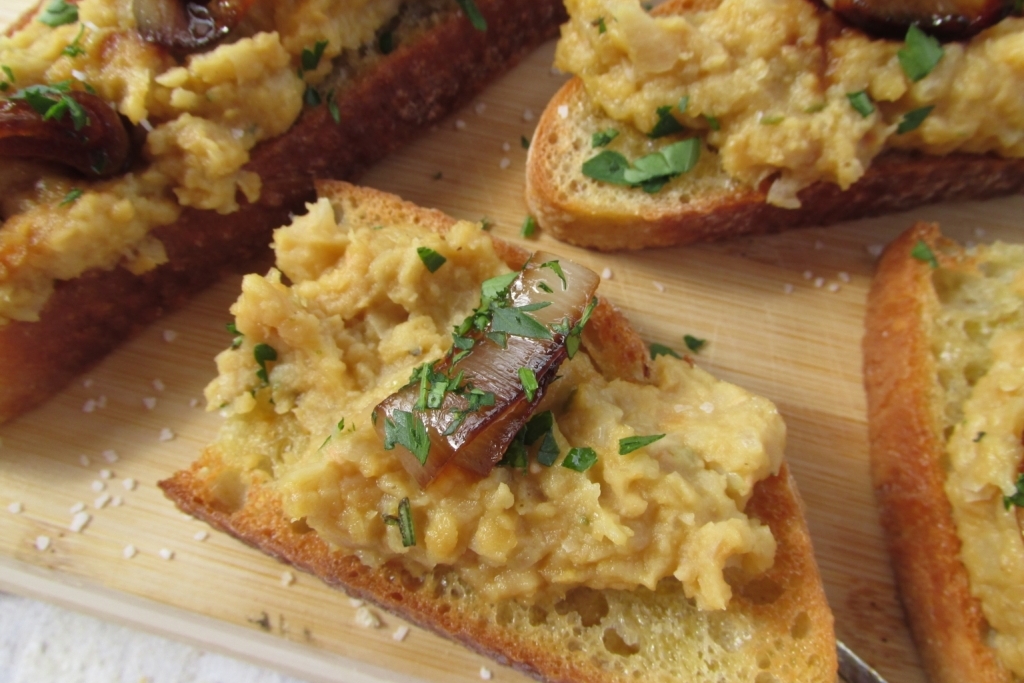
945	19
58	125
467	408
187	26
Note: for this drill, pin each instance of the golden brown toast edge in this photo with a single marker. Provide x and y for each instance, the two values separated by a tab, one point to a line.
907	449
414	86
260	522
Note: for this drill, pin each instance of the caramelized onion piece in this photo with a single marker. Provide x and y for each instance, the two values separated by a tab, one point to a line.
463	427
945	19
83	132
187	26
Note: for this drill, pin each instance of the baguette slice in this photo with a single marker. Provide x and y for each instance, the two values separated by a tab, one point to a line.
706	204
777	627
382	103
910	416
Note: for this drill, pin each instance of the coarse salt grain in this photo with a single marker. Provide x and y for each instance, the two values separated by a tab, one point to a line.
79	75
106	474
833	287
146	125
875	250
42	542
787	288
88	382
116	501
76	508
819	282
193	403
366	618
355	602
166	434
400	633
89	406
606	274
679	407
979	232
202	535
101	402
149	402
563	111
97	486
658	286
818	244
159	385
110	455
287	578
527	115
485	673
460	124
808	275
504	163
79	522
129	552
844	276
129	484
84	461
506	147
170	336
707	407
15	508
166	554
101	502
480	108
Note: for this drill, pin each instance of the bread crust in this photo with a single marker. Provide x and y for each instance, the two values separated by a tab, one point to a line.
384	108
907	451
261	522
895	181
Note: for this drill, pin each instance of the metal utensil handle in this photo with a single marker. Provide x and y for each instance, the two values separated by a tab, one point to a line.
853	669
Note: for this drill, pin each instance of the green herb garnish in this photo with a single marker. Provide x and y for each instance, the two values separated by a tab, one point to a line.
233	329
978	437
712	122
59	13
538	425
632	443
6	84
431	259
922	252
603	138
263	353
1018	497
406	429
404	522
529	381
529	227
662	350
912	119
517	320
75	48
524	142
310	59
386	43
71	196
772	120
580	459
693	343
53	102
649	172
556	267
332	107
599	23
666	124
311	98
861	102
921	54
684	103
473	13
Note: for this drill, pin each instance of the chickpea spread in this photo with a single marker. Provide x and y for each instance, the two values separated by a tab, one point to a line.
201	115
350	313
985	450
783	92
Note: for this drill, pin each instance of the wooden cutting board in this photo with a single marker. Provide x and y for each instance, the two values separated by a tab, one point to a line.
782	315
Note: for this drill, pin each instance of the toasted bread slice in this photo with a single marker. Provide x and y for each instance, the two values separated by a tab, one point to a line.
706	203
926	345
381	102
777	625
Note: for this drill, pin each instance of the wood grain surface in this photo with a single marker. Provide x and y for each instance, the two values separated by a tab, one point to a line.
782	314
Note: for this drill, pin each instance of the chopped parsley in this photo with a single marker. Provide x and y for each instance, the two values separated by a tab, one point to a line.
233	329
920	54
912	119
922	252
529	381
332	107
339	429
529	227
473	13
311	98
1018	496
538	425
406	429
978	437
515	455
556	267
649	172
59	13
815	108
574	334
517	320
695	344
485	223
263	353
772	120
603	138
599	23
666	124
310	59
404	522
662	350
861	102
580	458
75	49
431	259
524	142
386	43
9	80
684	103
71	196
53	102
712	122
632	443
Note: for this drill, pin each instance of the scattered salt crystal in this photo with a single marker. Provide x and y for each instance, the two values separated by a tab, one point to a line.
844	276
506	147
527	115
787	288
808	275
149	402
563	111
166	554
101	502
15	508
116	501
287	578
833	287
79	75
129	552
460	124
658	286
159	385
89	406
237	133
84	460
98	486
555	71
106	474
79	521
76	508
129	484
979	232
202	535
485	673
707	407
400	633
875	250
166	434
819	282
355	602
42	542
366	618
818	244
193	403
535	468
101	402
679	407
606	274
110	455
88	382
146	125
504	163
480	108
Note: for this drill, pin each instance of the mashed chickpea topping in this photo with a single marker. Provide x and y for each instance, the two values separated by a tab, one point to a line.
768	83
362	312
203	116
985	449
